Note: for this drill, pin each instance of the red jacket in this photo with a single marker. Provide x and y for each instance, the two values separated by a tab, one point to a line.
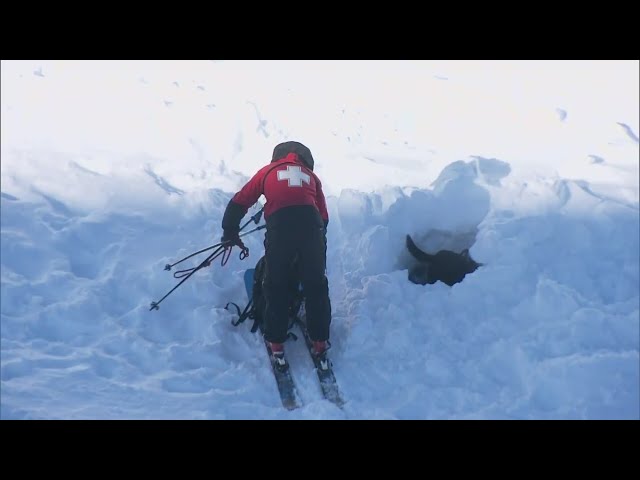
284	183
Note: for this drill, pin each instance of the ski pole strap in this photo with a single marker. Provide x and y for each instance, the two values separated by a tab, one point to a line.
182	273
226	253
246	313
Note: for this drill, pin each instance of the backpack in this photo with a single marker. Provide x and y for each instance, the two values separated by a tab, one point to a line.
257	305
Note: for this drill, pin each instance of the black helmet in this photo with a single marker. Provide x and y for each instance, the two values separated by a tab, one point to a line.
303	152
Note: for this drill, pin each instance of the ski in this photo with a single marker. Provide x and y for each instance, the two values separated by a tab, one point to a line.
284	380
328	382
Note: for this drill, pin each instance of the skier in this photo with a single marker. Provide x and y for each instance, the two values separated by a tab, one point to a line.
296	216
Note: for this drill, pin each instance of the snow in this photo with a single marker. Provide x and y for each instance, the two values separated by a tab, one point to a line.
111	170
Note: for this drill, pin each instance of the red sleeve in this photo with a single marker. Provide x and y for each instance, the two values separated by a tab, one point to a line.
321	202
250	193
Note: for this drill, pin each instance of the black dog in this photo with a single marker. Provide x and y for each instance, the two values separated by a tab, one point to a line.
447	266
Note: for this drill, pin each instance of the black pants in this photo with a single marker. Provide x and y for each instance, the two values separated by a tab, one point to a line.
296	233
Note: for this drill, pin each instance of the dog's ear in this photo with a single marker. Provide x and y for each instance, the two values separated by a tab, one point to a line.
416	252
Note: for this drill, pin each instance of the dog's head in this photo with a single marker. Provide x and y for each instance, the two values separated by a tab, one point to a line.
471	264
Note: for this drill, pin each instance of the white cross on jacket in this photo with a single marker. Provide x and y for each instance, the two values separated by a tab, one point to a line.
294	175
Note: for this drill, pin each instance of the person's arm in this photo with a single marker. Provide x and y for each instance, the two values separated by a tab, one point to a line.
240	203
233	215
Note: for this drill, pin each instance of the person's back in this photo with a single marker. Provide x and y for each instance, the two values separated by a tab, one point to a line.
296	216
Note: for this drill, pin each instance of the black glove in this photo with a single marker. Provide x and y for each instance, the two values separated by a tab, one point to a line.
233	237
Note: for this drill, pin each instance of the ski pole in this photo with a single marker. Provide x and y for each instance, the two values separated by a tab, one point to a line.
255	218
243	254
223	249
205	263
